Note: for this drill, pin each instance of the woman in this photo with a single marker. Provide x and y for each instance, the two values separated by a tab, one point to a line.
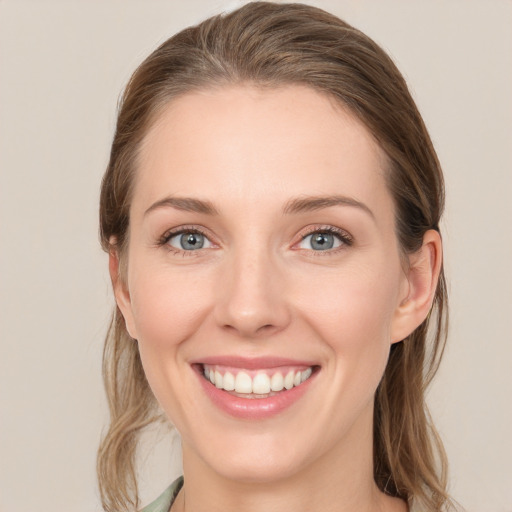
271	212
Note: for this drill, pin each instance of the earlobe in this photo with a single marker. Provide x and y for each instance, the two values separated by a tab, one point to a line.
422	276
121	292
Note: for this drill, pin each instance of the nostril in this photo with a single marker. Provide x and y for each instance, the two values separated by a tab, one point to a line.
247	331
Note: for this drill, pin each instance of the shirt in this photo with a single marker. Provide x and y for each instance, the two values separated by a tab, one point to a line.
164	502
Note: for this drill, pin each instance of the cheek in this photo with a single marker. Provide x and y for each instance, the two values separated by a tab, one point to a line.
167	309
352	313
167	306
354	303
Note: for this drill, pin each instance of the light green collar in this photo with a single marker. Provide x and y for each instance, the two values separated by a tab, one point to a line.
165	500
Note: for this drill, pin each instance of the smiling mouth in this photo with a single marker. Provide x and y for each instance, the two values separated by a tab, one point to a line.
256	384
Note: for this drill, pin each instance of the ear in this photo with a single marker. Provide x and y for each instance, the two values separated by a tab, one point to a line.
421	277
121	293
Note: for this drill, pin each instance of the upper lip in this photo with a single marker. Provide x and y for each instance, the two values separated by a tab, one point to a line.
252	363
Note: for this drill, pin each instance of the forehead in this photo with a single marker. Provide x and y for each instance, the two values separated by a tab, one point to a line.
258	144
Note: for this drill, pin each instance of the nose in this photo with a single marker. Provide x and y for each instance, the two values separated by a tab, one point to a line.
252	296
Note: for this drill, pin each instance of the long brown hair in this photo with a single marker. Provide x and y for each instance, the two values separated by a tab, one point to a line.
268	45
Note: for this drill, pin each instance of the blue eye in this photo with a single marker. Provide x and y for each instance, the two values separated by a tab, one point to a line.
189	241
321	241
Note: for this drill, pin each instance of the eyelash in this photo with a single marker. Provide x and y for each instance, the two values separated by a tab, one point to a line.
164	239
344	237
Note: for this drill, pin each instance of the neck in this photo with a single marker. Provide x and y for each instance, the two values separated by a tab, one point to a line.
341	480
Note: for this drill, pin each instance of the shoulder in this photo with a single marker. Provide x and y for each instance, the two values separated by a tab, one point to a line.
165	500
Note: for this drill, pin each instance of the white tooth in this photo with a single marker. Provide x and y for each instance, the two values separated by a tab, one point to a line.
243	383
218	379
229	381
206	373
306	374
277	382
288	380
261	384
212	376
296	379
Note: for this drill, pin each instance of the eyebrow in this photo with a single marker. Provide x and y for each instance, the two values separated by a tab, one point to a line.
187	204
297	205
312	203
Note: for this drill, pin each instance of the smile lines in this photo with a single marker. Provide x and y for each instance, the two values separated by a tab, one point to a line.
260	383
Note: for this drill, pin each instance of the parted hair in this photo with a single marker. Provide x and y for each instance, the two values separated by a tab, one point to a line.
268	44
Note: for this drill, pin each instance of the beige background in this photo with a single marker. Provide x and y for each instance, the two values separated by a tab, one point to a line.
62	66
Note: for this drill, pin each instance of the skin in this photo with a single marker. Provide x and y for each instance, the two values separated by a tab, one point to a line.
258	288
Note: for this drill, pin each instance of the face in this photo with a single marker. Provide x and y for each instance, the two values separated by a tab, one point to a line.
263	257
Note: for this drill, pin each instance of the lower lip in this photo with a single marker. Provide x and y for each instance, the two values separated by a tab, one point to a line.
254	408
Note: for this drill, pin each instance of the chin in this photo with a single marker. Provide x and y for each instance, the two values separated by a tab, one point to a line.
264	471
257	459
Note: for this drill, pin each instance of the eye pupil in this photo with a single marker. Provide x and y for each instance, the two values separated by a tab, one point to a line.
189	241
322	241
